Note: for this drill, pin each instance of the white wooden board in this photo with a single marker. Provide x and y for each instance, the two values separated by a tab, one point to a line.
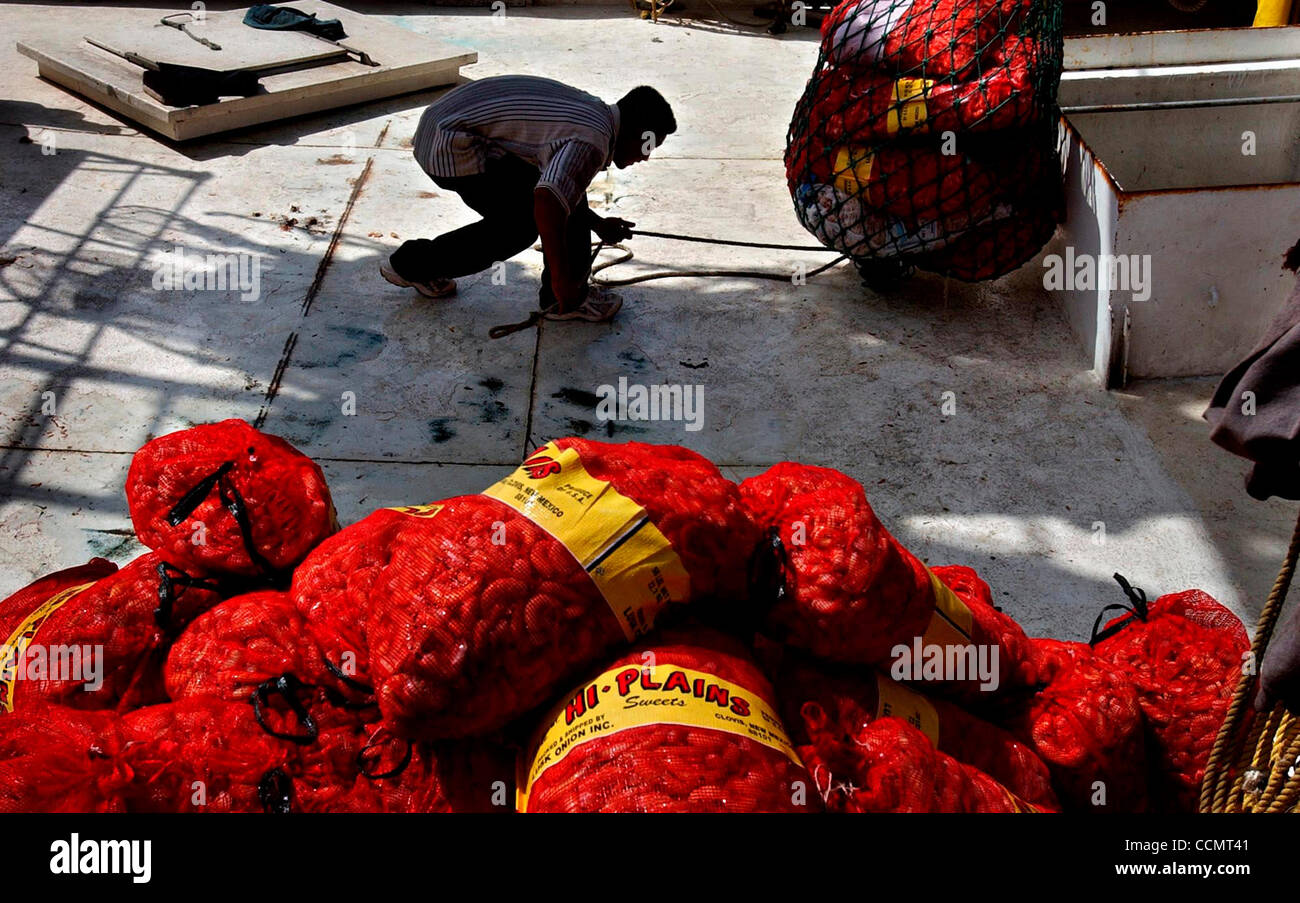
407	62
242	46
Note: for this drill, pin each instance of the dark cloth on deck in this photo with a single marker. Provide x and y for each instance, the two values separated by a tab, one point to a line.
1270	436
286	18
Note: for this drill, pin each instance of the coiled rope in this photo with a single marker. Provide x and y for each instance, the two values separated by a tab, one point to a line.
1255	763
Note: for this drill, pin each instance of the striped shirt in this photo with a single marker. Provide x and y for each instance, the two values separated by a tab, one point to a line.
566	133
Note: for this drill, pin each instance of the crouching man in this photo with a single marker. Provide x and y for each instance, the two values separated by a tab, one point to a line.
521	151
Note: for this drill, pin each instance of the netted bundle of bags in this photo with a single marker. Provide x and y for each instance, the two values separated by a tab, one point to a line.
926	135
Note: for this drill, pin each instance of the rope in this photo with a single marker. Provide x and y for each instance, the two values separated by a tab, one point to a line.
536	317
1253	748
670	274
185	30
730	243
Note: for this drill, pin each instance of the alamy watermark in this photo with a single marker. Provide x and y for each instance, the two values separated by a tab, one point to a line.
1088	272
77	663
176	271
922	661
76	856
669	401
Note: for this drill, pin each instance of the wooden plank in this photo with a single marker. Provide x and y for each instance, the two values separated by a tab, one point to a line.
408	62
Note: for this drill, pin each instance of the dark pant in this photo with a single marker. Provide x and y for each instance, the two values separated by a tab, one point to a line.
503	195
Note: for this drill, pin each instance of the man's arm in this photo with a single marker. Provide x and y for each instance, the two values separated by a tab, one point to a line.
552	219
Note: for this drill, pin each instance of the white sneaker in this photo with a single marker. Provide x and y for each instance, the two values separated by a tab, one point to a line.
438	288
600	307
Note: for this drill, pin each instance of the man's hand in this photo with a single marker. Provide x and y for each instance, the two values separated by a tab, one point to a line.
552	224
611	229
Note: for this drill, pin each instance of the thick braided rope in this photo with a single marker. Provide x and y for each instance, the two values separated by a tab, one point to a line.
1223	788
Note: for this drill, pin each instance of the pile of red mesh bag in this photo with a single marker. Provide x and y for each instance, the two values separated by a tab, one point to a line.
478	608
1086	725
684	724
835	582
925	136
424	659
94	637
1183	654
227	499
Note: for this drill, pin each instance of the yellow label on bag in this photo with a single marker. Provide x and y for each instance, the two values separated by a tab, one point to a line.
853	167
895	701
612	537
15	648
1020	806
631	696
908	110
952	622
425	511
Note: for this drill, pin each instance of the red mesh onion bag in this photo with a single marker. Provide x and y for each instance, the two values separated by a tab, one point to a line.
836	583
250	644
475	612
23	612
1184	654
92	643
390	774
46	763
926	126
207	755
226	499
822	704
333	587
1015	649
685	724
1085	723
197	755
890	766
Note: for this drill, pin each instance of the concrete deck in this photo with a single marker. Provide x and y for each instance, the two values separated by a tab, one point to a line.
1015	483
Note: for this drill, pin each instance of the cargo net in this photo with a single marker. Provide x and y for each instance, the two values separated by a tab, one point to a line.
926	136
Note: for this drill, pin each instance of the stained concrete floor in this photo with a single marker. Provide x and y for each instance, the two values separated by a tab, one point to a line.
1041	480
